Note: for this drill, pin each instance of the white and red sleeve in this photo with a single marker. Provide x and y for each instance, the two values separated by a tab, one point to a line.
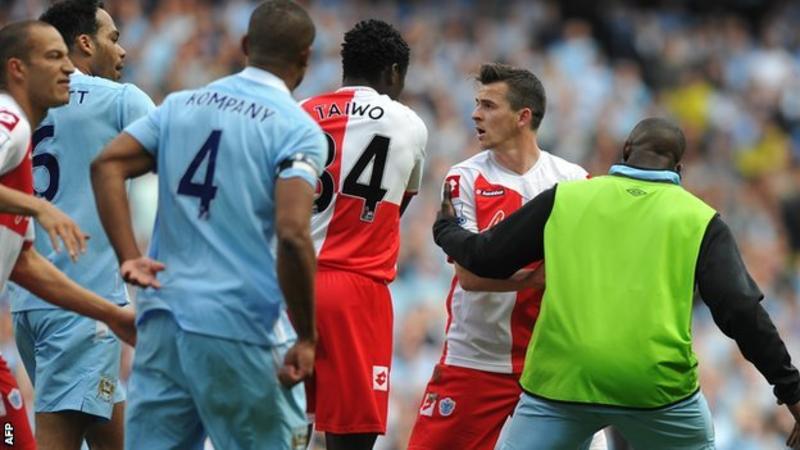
462	192
421	131
14	140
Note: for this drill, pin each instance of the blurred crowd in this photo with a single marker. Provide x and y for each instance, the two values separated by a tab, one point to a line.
729	75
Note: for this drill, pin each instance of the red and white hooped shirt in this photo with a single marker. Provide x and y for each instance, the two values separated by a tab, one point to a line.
16	172
376	148
490	330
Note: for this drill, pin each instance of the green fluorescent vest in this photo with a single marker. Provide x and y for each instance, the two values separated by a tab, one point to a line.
615	323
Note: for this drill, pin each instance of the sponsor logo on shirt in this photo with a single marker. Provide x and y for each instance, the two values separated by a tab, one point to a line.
490	192
497	218
446	406
380	378
428	404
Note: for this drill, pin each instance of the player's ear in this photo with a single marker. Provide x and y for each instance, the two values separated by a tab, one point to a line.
396	74
626	150
85	44
245	44
525	117
303	57
15	69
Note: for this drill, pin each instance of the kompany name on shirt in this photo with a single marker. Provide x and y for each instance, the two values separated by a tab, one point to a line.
229	103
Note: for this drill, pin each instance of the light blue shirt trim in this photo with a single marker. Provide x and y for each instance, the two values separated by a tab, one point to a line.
264	77
645	174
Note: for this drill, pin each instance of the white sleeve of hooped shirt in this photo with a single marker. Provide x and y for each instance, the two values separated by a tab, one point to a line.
421	132
462	194
14	139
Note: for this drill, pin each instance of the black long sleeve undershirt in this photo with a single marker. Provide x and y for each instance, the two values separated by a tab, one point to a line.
721	277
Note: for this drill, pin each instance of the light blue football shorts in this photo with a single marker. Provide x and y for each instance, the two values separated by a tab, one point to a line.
539	424
185	386
73	361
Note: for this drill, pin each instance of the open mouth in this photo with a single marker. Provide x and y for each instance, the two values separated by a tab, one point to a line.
480	131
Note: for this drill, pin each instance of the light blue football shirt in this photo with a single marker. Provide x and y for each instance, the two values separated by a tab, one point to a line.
217	151
64	146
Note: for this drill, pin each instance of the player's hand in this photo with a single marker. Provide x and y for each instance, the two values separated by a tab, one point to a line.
123	324
794	438
298	363
60	227
534	279
448	211
141	272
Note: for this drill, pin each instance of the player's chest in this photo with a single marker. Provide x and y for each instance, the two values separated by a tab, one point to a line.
496	199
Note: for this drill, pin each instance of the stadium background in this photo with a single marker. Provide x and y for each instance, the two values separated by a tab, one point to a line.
729	74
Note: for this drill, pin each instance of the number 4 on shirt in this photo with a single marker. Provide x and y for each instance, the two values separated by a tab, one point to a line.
205	191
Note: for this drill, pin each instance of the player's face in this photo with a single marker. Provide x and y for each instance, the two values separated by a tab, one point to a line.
48	68
109	56
495	121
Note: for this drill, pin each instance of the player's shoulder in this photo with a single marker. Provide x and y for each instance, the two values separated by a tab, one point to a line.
467	171
477	163
12	120
562	168
82	81
119	90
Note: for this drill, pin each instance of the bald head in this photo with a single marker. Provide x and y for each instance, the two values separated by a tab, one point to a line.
280	32
656	139
15	42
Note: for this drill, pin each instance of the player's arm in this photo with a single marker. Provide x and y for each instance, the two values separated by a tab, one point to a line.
121	159
415	178
504	249
57	224
39	276
734	300
523	279
294	198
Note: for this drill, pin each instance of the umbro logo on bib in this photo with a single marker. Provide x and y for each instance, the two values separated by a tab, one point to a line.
636	192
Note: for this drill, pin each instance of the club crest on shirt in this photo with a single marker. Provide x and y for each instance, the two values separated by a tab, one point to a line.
8	119
380	378
428	404
454	181
15	399
446	406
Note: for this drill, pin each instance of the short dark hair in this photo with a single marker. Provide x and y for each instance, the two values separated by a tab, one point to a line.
278	32
524	89
15	43
73	18
371	47
659	136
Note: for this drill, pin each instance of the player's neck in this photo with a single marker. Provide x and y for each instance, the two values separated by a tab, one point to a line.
519	155
82	65
350	82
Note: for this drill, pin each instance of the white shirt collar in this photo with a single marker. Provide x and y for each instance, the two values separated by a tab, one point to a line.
77	72
264	77
356	88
